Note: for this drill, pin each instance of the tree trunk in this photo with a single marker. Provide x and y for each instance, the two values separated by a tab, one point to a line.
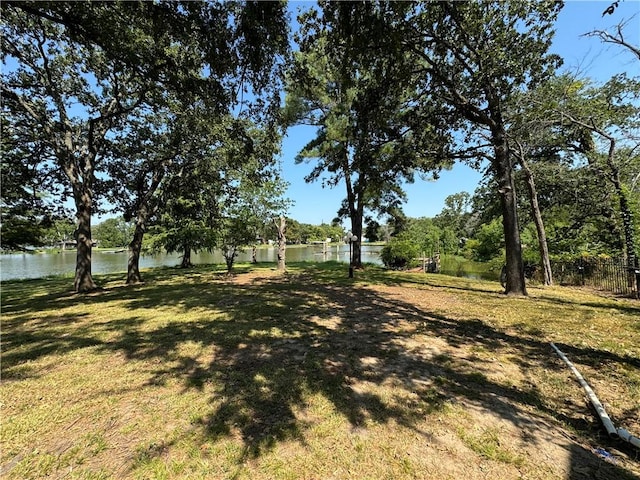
537	219
143	212
356	207
133	264
81	180
186	257
83	280
356	229
229	257
281	227
506	188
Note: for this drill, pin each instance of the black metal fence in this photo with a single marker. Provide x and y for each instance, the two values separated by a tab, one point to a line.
611	274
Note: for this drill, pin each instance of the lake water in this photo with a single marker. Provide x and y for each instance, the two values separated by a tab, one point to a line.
38	265
460	267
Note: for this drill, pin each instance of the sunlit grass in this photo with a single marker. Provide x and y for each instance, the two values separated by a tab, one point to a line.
307	374
486	442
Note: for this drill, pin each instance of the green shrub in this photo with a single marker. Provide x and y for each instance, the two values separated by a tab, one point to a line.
399	254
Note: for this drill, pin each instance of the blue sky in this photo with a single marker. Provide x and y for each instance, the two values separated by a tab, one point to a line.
588	55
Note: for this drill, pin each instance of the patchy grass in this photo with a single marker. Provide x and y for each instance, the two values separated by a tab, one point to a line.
487	443
309	374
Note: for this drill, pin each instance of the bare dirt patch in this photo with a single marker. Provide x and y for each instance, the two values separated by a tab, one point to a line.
498	371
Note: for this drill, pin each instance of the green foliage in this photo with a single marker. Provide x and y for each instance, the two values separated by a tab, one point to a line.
245	216
601	121
399	254
472	57
77	75
579	208
60	231
373	231
21	232
455	215
186	235
424	234
113	233
305	233
595	235
530	250
369	136
234	233
188	220
334	231
223	191
488	243
25	208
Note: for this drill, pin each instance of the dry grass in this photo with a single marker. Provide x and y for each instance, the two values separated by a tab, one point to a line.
310	375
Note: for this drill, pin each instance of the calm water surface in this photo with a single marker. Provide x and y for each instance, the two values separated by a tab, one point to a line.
38	265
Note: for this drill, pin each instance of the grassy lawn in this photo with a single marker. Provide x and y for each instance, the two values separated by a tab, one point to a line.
311	375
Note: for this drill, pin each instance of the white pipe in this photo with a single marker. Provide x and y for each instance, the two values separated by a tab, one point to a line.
602	413
606	421
626	435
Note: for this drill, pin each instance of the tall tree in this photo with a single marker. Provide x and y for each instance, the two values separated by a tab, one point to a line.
254	204
50	94
255	197
532	137
475	56
538	138
192	196
520	153
147	148
76	71
609	112
222	188
155	145
368	135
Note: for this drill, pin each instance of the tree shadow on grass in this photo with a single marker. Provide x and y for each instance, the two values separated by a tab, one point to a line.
279	339
622	304
433	280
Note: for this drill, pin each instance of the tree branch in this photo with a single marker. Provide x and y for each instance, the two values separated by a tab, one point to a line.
617	39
